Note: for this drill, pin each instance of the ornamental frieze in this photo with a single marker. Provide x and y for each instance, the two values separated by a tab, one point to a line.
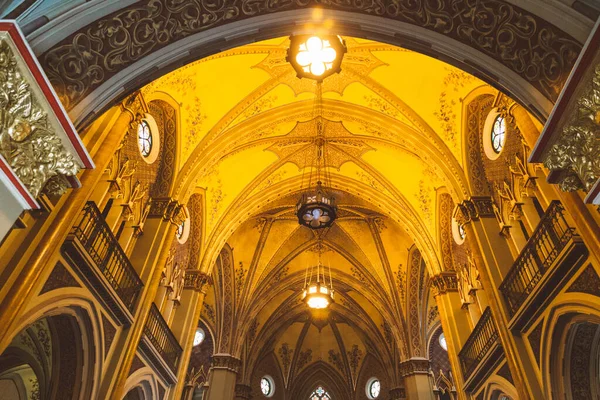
28	140
526	44
445	282
226	361
414	366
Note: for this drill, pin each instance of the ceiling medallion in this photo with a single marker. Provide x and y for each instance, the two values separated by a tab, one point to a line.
317	293
316	57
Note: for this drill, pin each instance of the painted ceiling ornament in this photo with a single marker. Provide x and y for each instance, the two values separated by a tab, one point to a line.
317	293
316	208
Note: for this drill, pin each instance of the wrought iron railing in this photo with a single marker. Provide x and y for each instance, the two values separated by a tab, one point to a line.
102	246
479	343
158	332
545	244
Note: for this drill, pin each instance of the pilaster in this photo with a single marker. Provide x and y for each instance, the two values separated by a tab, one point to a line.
222	383
491	253
417	380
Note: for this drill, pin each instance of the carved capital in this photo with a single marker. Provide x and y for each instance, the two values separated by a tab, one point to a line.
243	392
475	208
397	394
226	361
197	280
444	282
168	209
29	140
414	366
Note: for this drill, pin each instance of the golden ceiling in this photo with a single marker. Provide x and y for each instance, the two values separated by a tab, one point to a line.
399	110
394	123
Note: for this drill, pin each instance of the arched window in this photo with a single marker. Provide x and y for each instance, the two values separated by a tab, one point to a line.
498	134
144	138
319	394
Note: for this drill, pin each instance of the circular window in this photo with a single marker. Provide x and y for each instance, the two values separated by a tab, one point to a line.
494	134
373	388
459	233
267	388
183	229
199	337
442	340
148	138
180	229
498	135
144	138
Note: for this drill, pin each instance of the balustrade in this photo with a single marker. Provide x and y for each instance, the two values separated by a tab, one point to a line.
479	343
541	250
157	331
102	246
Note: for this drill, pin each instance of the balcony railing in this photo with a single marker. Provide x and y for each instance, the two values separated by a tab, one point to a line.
547	241
480	343
164	342
101	245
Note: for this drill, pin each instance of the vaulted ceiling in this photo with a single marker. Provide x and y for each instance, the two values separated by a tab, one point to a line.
394	128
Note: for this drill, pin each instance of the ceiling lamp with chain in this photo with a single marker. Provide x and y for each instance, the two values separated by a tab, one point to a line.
316	208
317	293
316	57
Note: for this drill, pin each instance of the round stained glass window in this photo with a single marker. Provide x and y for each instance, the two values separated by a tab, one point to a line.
442	340
374	389
199	337
498	136
266	386
144	138
180	229
461	231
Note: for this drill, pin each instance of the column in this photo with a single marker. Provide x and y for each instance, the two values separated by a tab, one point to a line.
455	321
243	392
398	393
491	254
148	257
416	379
186	320
223	377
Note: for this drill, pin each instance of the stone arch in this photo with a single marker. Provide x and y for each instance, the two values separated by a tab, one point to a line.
320	374
100	64
55	351
497	387
570	348
141	385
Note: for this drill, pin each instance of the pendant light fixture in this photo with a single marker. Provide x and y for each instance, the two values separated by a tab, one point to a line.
316	208
316	56
318	294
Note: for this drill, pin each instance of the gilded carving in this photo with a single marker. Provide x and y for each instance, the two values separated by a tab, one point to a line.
414	366
445	282
577	151
538	52
28	142
226	361
196	280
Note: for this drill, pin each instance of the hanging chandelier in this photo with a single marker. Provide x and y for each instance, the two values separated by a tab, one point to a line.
317	293
316	57
316	208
